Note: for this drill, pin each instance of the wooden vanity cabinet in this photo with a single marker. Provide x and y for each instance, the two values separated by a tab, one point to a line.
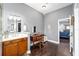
10	49
15	47
22	47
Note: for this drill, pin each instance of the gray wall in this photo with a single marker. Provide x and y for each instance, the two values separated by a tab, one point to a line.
0	30
0	19
51	21
30	16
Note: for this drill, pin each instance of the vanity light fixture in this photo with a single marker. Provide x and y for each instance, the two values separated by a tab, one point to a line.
14	18
10	17
25	28
18	18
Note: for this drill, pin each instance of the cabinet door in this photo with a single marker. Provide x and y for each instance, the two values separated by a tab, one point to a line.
10	50
22	47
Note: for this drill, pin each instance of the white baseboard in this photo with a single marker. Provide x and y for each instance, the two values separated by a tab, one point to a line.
49	41
53	41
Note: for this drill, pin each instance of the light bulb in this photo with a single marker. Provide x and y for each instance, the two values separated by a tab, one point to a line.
10	17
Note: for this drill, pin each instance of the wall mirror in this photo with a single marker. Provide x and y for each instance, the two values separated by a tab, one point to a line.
14	23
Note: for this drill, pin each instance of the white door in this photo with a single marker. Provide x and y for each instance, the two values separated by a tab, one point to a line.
71	33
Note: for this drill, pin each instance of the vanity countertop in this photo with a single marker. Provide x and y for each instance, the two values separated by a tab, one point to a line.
14	37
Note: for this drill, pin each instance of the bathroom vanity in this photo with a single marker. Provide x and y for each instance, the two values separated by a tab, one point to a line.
15	37
16	46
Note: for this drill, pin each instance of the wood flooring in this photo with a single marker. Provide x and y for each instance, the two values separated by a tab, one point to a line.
51	49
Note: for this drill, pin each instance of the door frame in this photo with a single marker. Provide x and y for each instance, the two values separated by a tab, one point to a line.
58	27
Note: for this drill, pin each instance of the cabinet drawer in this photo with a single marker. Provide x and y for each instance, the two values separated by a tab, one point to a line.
6	43
15	41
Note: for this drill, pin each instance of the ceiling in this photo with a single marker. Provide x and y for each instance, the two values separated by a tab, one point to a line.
47	7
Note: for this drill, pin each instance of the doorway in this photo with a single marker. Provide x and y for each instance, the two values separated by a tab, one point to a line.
64	38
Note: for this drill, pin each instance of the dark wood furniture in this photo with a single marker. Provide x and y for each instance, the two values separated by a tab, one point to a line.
15	47
37	38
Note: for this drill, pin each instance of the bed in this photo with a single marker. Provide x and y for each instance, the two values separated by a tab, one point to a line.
65	34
